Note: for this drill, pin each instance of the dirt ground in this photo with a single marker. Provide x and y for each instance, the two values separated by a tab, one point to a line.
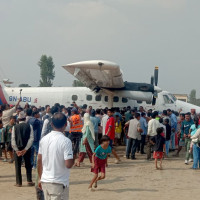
126	181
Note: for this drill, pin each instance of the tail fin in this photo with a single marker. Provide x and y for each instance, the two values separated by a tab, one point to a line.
2	97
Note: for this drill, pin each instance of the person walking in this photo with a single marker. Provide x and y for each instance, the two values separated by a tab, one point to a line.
87	141
55	158
22	140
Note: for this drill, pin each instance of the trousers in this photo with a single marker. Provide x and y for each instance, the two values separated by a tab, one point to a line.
54	191
28	166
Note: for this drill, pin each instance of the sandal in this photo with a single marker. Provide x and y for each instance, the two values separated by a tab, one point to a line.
31	184
18	185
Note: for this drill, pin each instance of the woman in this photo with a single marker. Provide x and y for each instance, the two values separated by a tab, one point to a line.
196	149
87	141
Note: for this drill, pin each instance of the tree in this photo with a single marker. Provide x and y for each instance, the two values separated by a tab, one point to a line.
47	72
192	97
77	83
24	85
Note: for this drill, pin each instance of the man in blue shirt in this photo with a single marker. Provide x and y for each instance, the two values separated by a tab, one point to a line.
96	123
143	125
174	122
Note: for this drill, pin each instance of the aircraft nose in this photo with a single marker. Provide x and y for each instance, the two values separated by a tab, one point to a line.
156	88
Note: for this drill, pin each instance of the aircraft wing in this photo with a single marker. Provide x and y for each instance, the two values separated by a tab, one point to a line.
97	74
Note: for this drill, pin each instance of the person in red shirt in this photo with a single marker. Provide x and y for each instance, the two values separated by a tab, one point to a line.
110	132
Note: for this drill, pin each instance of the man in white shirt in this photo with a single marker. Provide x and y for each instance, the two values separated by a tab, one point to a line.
152	127
134	135
55	158
104	121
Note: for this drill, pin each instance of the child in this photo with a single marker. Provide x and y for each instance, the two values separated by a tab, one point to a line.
159	145
99	160
8	135
168	135
2	141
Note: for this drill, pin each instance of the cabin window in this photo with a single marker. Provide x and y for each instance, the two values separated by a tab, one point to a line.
98	98
115	99
124	100
106	98
167	100
89	97
139	102
74	97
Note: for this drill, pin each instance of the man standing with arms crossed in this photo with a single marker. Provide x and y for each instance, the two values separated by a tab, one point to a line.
55	158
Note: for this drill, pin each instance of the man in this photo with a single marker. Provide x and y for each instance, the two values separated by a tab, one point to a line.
35	122
104	121
47	113
22	140
47	128
152	127
186	136
76	125
134	132
173	121
165	116
96	122
128	114
8	112
143	124
110	132
55	158
181	141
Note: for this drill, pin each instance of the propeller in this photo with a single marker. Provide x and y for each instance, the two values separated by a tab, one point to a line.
154	81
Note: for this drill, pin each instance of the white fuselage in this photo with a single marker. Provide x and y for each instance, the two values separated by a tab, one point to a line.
41	96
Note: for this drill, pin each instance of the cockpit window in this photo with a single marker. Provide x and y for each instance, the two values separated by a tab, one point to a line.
167	100
172	97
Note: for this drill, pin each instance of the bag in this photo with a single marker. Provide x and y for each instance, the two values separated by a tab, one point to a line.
39	194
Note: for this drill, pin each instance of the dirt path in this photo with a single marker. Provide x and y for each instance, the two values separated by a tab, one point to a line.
127	181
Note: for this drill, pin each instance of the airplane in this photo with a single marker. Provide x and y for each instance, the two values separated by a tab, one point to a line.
105	87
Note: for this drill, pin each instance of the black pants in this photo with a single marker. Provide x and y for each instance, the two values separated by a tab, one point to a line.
143	140
28	166
75	138
131	147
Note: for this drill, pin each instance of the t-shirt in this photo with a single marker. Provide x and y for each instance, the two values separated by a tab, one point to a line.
159	142
95	121
110	123
103	123
102	153
194	129
55	149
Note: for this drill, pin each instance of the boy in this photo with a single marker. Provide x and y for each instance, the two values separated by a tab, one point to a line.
8	134
159	147
99	161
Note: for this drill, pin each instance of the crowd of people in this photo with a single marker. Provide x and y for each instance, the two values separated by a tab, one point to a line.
53	139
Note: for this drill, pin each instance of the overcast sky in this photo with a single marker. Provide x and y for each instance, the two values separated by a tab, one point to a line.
136	34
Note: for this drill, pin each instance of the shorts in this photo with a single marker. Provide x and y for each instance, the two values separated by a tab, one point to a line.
2	146
117	135
181	143
99	166
9	146
157	155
